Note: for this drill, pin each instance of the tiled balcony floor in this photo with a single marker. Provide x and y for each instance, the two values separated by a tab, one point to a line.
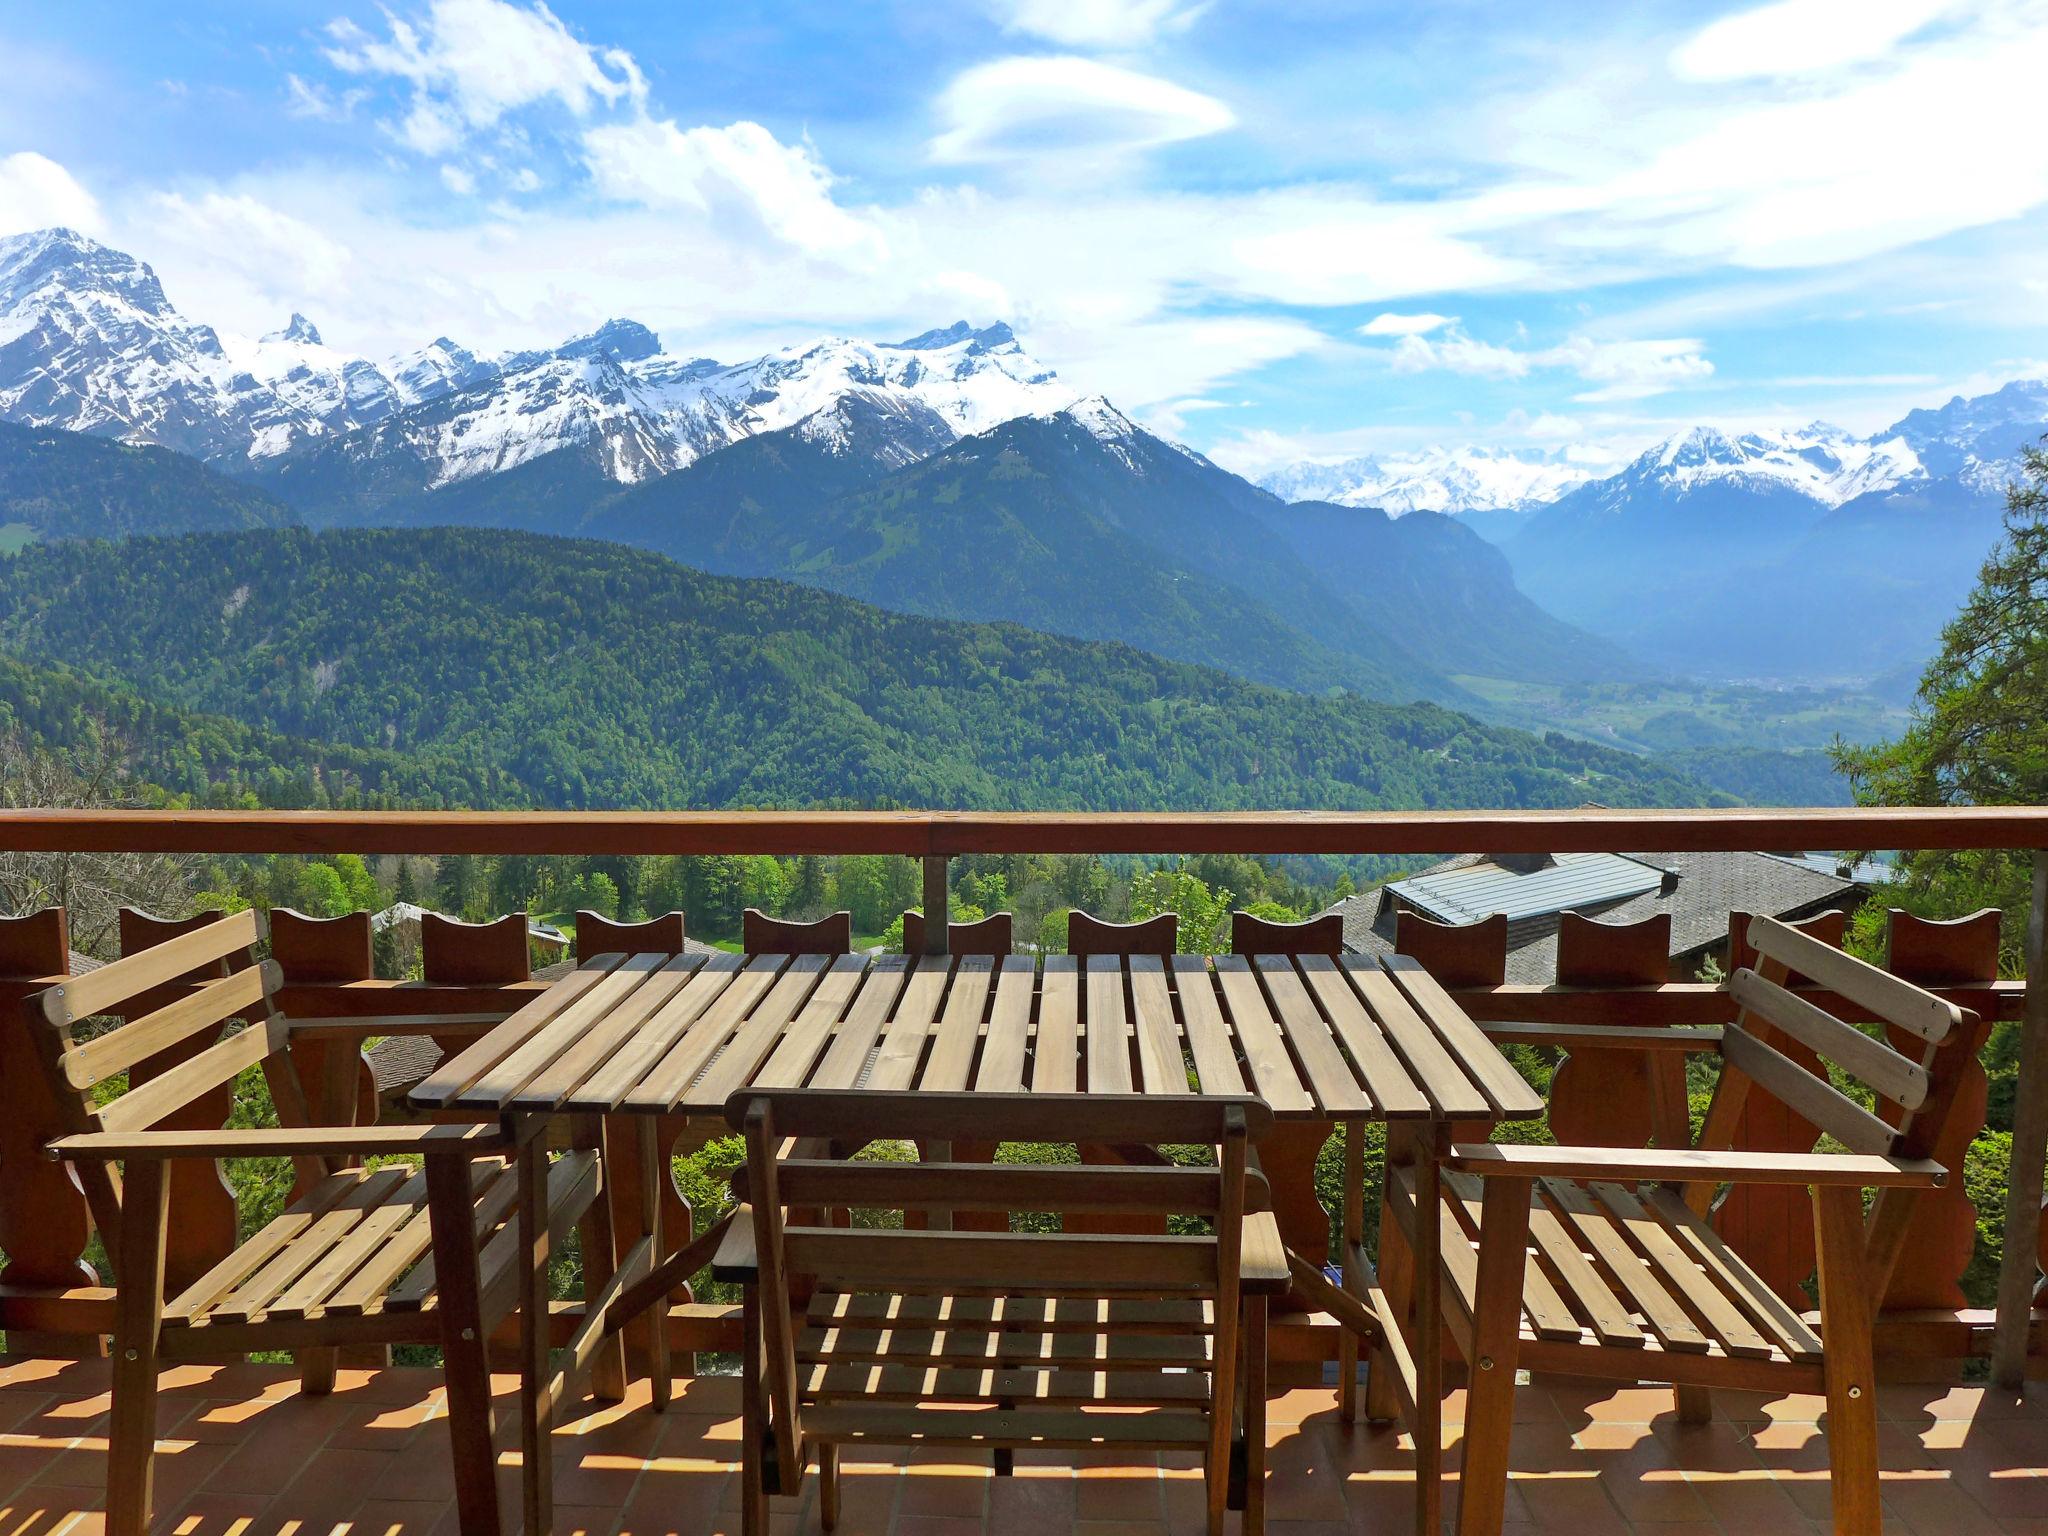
242	1454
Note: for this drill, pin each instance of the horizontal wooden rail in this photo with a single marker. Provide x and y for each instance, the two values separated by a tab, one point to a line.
919	834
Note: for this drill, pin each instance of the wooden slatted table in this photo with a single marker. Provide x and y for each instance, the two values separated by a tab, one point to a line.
1319	1039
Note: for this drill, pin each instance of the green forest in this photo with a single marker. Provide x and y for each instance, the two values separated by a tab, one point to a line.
515	669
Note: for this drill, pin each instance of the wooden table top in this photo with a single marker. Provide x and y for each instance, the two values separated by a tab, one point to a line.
1353	1038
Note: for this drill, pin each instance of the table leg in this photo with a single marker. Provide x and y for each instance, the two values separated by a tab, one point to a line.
601	1254
653	1175
465	1365
1353	1245
1429	1332
536	1427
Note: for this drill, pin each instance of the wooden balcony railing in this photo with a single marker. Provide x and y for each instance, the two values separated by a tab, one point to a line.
1618	1021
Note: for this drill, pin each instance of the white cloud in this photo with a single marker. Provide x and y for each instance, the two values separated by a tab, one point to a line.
1623	370
457	180
1028	108
1797	36
1391	324
525	179
470	62
786	188
1169	418
274	260
36	192
310	99
1096	23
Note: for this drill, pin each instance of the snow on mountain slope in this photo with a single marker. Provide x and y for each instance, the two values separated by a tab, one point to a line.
1441	480
89	342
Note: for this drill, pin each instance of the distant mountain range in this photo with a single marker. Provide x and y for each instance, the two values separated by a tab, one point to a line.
952	475
947	475
1805	552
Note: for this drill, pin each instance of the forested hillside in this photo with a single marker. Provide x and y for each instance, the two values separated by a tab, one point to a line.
65	485
568	673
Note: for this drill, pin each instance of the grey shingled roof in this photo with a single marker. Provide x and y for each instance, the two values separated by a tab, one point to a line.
1709	886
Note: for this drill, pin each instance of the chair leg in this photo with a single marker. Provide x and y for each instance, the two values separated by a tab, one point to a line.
464	1363
1351	1238
828	1486
1490	1373
753	1421
316	1369
138	1325
536	1437
1254	1373
1845	1321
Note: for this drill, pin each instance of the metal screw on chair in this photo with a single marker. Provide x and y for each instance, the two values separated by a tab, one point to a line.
1486	1362
1855	1391
469	1335
133	1354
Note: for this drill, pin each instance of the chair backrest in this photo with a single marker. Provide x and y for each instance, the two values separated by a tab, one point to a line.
1092	936
597	935
990	935
1261	936
1922	1087
1456	954
978	1262
454	953
178	996
761	934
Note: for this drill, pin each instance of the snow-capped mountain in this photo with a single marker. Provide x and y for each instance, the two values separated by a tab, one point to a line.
89	342
1466	479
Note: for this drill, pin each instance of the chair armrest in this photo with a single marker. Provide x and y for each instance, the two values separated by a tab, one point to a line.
1262	1261
284	1141
1687	1165
736	1260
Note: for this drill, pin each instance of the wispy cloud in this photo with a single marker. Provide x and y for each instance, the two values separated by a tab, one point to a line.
1037	108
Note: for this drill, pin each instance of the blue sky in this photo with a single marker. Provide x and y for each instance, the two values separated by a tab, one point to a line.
1275	230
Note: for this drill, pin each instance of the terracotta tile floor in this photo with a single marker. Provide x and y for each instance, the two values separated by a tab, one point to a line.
242	1454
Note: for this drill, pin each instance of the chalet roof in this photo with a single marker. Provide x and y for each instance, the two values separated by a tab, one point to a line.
1699	890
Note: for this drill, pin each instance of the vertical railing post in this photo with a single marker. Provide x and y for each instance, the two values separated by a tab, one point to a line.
938	911
2029	1150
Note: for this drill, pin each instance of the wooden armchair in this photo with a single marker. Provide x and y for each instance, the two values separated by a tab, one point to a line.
347	1263
1000	1340
1599	1261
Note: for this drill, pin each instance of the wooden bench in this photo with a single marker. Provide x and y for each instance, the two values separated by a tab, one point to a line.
1600	1261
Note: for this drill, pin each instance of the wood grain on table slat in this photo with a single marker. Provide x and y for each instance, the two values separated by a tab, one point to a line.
608	1085
901	1052
1386	1079
608	1036
1009	1029
811	1030
1429	1064
959	1028
1216	1067
1109	1030
847	1056
1311	1035
1265	1051
1161	1067
665	1083
1493	1072
1059	1040
452	1078
1330	1078
755	1039
519	1067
